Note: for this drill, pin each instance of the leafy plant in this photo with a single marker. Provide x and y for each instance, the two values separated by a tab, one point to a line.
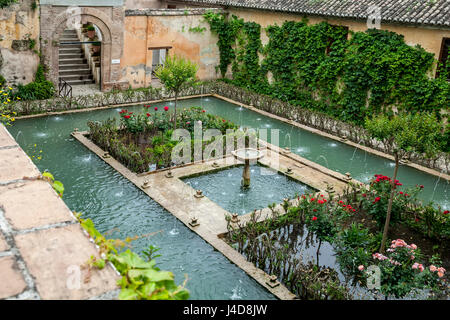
402	273
57	185
40	89
6	3
404	134
6	115
141	280
175	74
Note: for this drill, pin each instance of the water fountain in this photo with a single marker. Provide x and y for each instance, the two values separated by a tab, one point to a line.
246	155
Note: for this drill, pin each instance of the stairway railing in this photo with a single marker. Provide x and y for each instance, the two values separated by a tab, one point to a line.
65	89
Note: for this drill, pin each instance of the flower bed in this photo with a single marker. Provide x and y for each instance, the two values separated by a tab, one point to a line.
349	228
143	141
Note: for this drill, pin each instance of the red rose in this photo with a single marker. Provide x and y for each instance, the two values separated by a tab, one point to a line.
148	114
446	212
156	108
127	117
314	218
203	111
166	108
421	186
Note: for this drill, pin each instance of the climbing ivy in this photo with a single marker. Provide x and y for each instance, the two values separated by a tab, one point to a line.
324	68
6	3
227	30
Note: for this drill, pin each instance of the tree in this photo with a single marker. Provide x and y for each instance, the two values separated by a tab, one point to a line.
404	134
176	74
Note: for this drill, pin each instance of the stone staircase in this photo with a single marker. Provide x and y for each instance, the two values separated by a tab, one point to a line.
73	66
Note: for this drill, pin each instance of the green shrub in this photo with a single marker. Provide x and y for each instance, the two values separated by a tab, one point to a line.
35	90
39	89
6	3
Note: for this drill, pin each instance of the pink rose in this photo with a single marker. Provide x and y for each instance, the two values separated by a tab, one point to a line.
361	268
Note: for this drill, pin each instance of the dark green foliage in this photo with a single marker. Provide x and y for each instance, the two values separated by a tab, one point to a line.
227	31
40	89
6	3
317	67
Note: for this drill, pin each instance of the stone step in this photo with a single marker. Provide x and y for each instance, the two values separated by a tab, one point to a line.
72	61
74	72
69	46
64	56
80	82
69	37
77	77
73	66
71	51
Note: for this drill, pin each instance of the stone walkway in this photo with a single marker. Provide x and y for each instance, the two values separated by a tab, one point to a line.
42	245
85	89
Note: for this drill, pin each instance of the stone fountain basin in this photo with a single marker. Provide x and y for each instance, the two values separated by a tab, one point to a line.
247	154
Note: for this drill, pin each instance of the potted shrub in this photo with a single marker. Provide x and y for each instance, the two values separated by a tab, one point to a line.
96	47
90	32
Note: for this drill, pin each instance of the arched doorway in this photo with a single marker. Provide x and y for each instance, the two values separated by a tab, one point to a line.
53	29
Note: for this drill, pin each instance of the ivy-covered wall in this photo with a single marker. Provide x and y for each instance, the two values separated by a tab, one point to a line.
321	67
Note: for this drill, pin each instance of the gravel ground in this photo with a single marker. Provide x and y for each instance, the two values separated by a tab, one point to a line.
85	89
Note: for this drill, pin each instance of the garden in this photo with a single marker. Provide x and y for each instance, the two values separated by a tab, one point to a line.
345	233
381	238
143	141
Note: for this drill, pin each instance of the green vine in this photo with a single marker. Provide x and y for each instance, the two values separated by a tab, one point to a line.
318	67
227	30
6	3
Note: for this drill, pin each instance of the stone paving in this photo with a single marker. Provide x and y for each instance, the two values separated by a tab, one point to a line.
42	245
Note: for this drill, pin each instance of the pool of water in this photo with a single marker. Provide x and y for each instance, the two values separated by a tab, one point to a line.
332	154
111	201
266	187
114	203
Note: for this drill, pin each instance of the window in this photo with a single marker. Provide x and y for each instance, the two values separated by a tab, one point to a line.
331	40
158	57
443	57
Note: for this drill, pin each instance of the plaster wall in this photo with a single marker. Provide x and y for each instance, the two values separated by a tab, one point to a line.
168	28
19	24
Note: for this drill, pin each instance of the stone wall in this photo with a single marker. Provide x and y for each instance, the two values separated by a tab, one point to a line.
184	31
19	26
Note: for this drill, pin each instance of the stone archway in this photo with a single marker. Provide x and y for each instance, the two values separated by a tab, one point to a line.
109	20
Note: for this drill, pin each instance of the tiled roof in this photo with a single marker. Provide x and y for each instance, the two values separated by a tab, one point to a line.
422	12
